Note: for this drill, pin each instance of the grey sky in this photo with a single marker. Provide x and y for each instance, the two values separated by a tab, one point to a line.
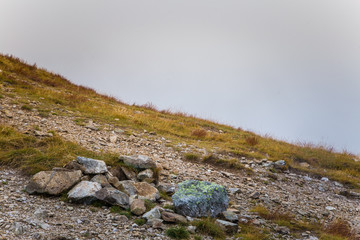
287	68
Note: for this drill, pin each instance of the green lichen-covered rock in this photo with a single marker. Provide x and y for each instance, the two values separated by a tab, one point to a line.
200	199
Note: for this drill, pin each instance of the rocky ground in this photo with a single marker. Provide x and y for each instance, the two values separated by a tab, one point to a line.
24	216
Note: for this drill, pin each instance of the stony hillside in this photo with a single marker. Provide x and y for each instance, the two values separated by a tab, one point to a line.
277	190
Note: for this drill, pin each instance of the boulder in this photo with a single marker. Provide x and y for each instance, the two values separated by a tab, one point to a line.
101	179
146	191
53	182
228	227
84	192
92	166
153	213
200	199
138	207
129	187
173	217
146	174
138	161
113	196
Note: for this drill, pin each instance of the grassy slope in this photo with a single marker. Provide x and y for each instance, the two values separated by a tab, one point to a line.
55	93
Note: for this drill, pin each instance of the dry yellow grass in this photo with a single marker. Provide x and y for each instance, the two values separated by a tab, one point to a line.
53	91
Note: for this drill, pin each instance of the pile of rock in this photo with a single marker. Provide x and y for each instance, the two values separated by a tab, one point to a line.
89	180
129	185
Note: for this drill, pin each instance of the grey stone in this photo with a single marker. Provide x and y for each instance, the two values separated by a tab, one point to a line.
173	217
234	190
138	161
53	182
167	188
228	227
101	179
84	192
18	228
129	187
148	173
113	196
153	213
200	199
92	166
230	216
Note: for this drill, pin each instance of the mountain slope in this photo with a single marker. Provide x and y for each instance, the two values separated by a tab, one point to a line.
27	85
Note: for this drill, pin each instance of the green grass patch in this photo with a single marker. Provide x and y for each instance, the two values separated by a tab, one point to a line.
31	154
208	226
140	221
119	210
149	204
177	233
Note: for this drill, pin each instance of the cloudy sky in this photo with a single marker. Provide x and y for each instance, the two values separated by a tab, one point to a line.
290	69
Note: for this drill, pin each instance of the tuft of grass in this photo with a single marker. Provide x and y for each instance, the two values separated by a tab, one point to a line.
157	172
340	228
121	211
140	221
225	163
31	154
251	232
177	233
252	140
273	215
208	226
199	133
171	207
149	204
192	157
197	237
26	107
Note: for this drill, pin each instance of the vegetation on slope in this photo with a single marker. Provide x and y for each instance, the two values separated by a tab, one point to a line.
55	93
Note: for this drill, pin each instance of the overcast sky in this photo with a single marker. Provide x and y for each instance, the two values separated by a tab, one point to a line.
290	69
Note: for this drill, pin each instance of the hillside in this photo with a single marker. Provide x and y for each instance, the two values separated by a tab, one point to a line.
46	121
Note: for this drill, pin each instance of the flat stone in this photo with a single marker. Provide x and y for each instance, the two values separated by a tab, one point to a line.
148	173
228	227
230	216
84	192
113	196
173	217
92	166
53	182
138	161
146	191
